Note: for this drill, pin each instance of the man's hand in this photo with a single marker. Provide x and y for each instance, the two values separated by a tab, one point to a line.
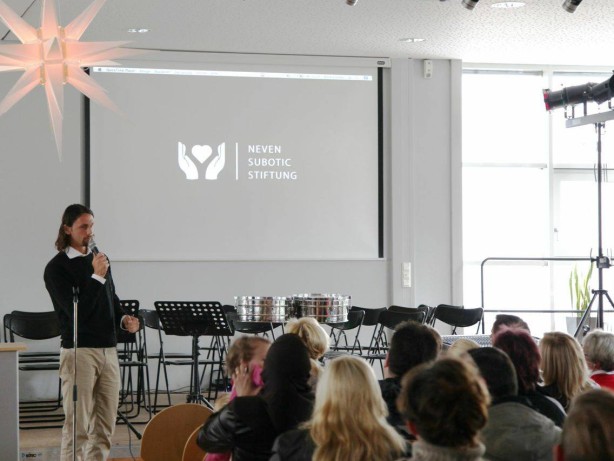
100	264
131	324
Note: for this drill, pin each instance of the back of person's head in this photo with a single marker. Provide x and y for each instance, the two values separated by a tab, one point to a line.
524	354
588	433
70	215
461	346
312	334
509	321
349	418
598	348
445	402
243	349
412	344
563	363
497	370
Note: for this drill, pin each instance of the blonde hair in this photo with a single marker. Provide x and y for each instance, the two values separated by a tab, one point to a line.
349	417
311	333
563	364
588	428
460	346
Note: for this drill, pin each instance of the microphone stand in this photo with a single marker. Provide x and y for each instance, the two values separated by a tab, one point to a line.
75	302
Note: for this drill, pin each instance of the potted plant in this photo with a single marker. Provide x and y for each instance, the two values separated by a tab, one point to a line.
580	296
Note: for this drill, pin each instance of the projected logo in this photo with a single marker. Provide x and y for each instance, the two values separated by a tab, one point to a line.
201	154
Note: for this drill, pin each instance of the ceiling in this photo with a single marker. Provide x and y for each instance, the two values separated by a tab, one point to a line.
539	33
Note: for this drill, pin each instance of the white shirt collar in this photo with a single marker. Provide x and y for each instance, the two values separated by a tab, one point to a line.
72	253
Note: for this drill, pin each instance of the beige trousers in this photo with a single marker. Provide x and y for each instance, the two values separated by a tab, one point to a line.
98	383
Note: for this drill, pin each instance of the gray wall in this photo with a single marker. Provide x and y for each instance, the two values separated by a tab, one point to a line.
422	214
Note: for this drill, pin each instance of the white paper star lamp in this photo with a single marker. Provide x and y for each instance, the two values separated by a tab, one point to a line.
52	56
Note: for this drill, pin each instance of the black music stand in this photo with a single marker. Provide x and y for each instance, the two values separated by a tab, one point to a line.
195	319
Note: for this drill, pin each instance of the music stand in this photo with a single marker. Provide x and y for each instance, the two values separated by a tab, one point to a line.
195	319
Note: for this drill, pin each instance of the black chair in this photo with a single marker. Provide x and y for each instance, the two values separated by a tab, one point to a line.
370	319
421	308
152	321
458	316
36	326
251	328
338	331
388	321
132	355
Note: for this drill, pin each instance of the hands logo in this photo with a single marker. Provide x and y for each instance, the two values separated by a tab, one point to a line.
201	153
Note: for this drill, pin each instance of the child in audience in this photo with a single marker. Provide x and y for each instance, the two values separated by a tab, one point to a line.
599	352
247	352
348	422
564	370
445	405
588	434
316	340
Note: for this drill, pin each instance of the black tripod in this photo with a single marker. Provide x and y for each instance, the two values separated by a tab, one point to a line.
602	262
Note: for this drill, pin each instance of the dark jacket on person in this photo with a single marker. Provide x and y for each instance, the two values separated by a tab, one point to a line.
248	426
295	445
391	388
546	406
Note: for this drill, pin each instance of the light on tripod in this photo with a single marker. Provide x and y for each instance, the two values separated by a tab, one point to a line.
569	96
571	5
470	4
604	91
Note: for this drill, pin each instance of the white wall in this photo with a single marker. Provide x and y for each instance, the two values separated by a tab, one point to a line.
422	186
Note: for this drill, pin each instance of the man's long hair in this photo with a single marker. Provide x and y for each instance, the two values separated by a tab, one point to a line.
71	214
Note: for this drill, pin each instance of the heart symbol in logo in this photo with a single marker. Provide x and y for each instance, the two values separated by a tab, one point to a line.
201	153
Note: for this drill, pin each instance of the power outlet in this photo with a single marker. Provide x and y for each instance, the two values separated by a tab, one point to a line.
406	275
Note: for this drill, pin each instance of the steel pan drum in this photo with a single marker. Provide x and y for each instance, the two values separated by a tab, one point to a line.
325	308
276	309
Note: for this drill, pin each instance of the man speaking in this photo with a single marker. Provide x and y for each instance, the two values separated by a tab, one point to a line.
82	274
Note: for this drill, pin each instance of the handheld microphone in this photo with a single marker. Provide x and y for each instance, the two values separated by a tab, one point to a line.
92	246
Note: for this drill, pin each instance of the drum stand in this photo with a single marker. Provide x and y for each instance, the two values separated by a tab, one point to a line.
195	319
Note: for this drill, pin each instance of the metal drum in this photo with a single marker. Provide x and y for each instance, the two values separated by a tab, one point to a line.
325	308
276	309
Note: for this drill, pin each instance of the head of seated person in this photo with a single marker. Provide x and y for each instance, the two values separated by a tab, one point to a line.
461	346
349	420
598	348
445	404
312	334
515	430
508	321
589	428
412	344
522	349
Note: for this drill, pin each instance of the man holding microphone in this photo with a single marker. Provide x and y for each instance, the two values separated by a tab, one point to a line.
80	269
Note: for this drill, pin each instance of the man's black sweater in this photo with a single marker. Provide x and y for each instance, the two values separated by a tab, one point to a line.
99	312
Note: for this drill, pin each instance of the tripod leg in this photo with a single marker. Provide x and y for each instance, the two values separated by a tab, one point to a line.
584	317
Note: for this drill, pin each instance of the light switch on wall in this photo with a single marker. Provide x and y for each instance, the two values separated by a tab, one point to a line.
406	275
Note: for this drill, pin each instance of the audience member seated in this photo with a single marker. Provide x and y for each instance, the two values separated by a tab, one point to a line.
514	431
508	321
588	434
524	354
349	420
248	425
460	346
316	340
599	353
445	405
412	344
564	370
246	351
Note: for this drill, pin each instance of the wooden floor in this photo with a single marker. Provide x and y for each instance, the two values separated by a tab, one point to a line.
44	444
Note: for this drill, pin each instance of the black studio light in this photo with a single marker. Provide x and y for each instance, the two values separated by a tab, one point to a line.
571	5
580	94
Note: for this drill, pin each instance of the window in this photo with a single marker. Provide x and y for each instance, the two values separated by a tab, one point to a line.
529	192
